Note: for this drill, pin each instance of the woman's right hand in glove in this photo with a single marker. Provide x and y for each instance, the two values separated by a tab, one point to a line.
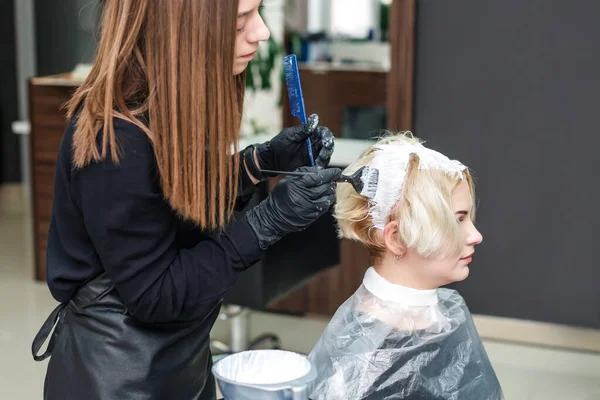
294	204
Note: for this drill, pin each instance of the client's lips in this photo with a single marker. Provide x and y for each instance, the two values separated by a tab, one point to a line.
468	258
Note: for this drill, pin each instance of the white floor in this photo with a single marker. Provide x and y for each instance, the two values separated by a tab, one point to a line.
526	373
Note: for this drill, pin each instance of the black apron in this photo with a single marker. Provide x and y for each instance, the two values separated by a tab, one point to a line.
99	351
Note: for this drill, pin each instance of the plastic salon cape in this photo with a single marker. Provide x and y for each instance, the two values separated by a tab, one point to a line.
392	342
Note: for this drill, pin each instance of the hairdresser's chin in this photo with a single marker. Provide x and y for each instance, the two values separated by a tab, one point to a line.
251	30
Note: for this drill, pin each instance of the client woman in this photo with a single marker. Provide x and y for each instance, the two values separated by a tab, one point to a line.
400	336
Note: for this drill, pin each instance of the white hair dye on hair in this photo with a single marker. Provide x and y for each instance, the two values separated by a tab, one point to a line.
392	160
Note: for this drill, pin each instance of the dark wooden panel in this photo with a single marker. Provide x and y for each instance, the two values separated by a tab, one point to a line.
48	123
43	189
327	291
46	146
296	303
330	289
49	120
43	226
401	76
327	93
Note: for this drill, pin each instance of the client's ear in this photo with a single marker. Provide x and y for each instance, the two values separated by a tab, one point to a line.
391	236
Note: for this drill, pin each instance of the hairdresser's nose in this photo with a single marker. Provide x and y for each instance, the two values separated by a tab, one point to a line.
474	237
260	33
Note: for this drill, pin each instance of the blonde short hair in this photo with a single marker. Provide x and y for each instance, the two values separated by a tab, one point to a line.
424	213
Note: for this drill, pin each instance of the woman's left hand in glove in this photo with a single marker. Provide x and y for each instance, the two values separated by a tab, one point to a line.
288	150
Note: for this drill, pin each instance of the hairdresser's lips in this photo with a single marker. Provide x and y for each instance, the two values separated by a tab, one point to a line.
468	258
248	56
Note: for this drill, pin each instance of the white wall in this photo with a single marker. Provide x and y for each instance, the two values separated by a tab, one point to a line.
319	16
336	17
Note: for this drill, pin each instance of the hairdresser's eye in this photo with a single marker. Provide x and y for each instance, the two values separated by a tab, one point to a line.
246	16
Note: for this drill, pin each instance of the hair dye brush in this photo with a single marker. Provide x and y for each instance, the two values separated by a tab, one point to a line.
294	88
364	181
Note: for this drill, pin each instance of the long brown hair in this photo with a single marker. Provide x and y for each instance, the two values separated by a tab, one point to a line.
172	60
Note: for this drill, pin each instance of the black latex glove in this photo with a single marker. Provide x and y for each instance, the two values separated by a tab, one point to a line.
288	150
294	204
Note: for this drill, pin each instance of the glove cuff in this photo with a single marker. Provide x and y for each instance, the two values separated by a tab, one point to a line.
266	233
250	163
265	155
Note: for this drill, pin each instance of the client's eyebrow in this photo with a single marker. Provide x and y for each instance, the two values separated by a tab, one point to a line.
462	212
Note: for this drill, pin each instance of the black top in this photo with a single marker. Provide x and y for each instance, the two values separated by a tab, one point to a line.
114	218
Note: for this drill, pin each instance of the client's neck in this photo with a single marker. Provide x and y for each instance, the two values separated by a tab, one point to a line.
402	272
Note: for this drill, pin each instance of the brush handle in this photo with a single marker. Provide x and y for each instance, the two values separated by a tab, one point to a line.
343	178
288	173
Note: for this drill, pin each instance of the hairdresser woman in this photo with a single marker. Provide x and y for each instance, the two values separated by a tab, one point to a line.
141	245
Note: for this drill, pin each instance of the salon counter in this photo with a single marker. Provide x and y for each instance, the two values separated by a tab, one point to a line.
327	67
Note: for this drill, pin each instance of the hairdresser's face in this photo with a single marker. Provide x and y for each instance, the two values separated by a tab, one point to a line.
455	267
250	31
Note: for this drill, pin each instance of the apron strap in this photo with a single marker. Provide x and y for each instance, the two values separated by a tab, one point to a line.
42	335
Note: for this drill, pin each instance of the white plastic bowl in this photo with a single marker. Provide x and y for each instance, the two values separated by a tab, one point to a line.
265	374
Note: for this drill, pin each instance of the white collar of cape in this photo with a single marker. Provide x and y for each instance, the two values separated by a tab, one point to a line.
386	291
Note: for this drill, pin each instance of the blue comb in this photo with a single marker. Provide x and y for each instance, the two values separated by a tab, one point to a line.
292	80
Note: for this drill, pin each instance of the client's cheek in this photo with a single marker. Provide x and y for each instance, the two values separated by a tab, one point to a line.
450	256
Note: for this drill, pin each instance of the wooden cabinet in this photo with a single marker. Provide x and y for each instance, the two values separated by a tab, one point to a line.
48	122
